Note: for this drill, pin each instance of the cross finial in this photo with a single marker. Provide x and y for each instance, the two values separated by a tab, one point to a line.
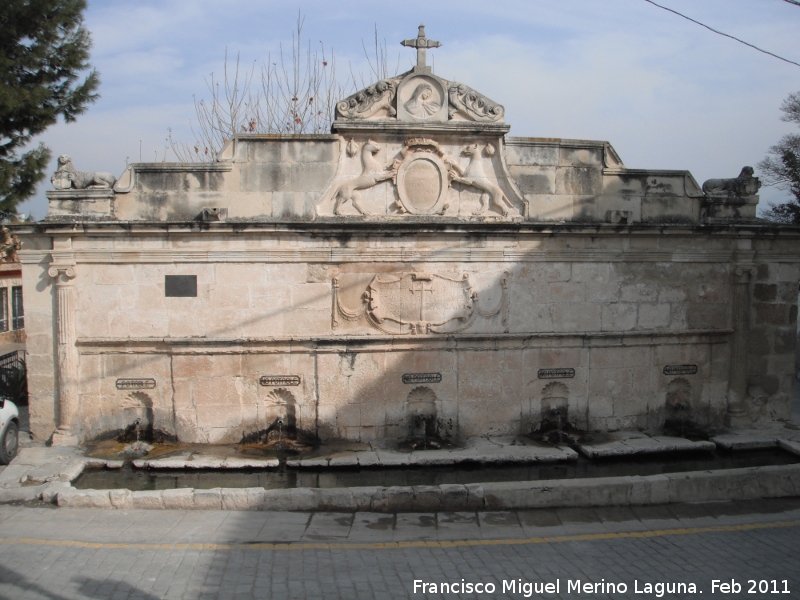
421	43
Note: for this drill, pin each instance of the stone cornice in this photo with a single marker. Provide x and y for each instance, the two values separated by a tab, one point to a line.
198	167
380	342
405	225
360	254
406	128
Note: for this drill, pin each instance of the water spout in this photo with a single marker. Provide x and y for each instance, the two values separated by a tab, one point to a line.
137	425
424	419
681	408
557	413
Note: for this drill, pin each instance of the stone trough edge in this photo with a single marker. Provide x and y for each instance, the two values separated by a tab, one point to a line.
694	486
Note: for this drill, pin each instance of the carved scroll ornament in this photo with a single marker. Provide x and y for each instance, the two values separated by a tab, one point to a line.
369	101
420	303
474	105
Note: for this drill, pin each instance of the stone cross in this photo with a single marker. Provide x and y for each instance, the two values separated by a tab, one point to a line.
421	43
420	287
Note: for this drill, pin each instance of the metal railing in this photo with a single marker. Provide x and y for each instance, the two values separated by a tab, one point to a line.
14	377
13	360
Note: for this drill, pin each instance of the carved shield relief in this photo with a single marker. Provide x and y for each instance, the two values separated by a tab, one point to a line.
416	302
419	298
422	184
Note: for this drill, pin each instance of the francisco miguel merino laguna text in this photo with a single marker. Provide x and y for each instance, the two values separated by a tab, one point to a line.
572	586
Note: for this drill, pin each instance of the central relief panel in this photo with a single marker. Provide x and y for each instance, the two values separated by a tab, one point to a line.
418	303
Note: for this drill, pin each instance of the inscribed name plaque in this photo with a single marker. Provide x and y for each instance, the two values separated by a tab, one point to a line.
422	378
680	370
279	380
556	373
136	384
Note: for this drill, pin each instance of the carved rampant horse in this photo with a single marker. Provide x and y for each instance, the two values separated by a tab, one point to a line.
475	176
372	173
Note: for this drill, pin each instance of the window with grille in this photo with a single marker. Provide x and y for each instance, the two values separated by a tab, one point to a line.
17	312
3	309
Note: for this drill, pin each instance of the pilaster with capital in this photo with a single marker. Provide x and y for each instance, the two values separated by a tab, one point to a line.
67	363
737	414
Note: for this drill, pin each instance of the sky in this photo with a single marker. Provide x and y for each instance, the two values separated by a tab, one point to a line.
665	92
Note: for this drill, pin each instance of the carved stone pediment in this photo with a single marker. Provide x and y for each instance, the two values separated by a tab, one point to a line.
419	303
419	97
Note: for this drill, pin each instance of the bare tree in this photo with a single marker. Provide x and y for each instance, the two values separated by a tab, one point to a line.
298	94
781	167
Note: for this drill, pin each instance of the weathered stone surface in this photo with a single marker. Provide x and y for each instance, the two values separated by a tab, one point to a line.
51	490
629	444
418	233
73	498
747	440
181	499
149	499
122	499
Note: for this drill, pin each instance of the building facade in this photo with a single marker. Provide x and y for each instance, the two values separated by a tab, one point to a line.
416	261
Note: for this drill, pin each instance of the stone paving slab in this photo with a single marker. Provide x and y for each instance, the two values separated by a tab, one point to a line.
637	444
748	439
482	450
226	527
209	563
790	446
194	460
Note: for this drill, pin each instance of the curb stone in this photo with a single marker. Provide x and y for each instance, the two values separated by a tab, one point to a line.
696	486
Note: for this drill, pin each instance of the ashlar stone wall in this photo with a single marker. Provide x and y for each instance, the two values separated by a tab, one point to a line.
616	324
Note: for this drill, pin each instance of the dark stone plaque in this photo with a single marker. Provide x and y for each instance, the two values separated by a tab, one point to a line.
680	370
180	286
422	377
279	380
556	373
136	384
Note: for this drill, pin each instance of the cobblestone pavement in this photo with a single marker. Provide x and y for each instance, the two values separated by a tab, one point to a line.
82	553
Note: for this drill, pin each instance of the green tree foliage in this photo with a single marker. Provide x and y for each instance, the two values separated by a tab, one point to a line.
43	51
781	167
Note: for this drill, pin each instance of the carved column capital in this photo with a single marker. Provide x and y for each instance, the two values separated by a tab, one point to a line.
57	270
742	274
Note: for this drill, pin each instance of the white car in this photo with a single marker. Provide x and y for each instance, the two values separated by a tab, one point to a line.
9	431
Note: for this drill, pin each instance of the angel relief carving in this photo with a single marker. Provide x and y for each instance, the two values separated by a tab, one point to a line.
419	303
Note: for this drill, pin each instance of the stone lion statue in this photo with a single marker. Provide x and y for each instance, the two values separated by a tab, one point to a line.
744	185
67	176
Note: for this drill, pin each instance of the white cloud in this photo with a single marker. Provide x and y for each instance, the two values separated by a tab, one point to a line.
665	92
